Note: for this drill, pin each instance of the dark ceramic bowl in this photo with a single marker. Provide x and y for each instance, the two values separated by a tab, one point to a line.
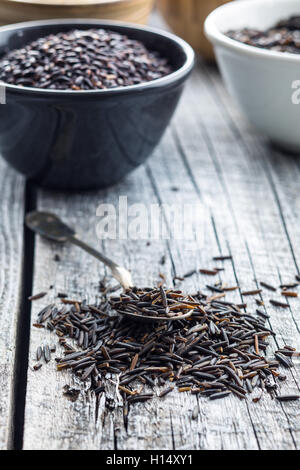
88	139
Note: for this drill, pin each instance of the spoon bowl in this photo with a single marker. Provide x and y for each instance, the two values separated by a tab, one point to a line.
49	226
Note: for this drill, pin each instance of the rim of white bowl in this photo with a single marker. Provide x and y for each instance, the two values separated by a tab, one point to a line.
217	37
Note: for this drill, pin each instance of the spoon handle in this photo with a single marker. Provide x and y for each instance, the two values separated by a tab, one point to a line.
76	241
120	274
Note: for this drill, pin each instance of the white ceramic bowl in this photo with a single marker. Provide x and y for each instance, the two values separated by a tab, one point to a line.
265	84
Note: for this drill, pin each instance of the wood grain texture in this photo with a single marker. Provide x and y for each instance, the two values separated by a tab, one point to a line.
247	202
11	248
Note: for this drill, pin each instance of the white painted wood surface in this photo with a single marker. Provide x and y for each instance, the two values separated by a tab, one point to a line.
11	249
249	207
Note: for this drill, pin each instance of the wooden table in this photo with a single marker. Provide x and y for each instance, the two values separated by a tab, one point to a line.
249	204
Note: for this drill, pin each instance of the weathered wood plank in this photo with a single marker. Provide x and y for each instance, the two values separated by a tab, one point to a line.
11	247
281	172
216	427
240	193
78	274
247	209
165	423
149	425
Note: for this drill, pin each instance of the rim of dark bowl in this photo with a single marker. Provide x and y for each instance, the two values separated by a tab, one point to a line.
169	79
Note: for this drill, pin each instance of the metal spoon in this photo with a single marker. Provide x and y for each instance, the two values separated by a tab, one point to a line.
51	227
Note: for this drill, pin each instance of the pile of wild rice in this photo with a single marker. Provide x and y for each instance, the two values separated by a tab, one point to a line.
82	60
154	303
218	351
